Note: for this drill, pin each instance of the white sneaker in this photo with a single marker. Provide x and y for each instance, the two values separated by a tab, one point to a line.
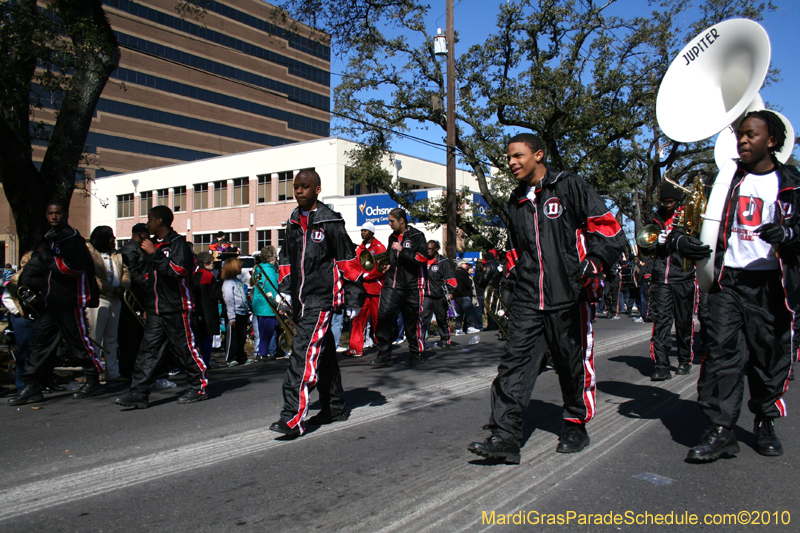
473	330
458	332
368	343
638	320
341	349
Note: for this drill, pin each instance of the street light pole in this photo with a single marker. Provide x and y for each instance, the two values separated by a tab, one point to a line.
452	215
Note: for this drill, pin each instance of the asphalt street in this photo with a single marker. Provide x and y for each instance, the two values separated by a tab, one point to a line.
400	463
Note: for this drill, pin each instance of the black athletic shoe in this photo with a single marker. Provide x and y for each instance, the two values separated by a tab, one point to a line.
88	390
325	417
381	361
661	374
282	427
192	396
414	360
767	442
573	438
133	399
716	442
684	369
498	448
30	393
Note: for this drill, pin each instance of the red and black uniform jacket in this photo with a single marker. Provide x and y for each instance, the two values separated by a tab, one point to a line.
169	276
318	264
667	264
441	278
549	238
373	280
408	267
63	271
207	294
786	215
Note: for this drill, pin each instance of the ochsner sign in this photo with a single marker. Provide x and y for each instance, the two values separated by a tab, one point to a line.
375	207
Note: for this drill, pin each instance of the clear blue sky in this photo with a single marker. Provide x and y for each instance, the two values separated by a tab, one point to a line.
475	19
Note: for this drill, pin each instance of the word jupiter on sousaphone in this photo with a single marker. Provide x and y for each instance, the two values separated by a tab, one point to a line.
707	90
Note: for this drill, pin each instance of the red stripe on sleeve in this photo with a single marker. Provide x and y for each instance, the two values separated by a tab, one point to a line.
350	268
452	282
511	260
421	258
605	225
62	266
283	271
179	270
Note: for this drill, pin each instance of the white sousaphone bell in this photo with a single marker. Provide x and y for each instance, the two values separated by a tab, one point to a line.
708	88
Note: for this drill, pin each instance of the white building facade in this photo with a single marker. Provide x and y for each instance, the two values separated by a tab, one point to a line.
249	196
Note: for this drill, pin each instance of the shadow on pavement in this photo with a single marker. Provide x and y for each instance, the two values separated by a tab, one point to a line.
683	418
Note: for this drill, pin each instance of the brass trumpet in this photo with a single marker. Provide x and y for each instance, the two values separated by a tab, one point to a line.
370	262
496	308
648	236
285	318
691	218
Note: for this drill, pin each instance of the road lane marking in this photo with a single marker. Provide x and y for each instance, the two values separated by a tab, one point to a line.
66	488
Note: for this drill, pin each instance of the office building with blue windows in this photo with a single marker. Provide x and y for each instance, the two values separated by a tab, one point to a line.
187	89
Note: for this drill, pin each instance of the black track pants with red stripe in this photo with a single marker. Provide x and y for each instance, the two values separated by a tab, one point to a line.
569	335
749	333
393	302
672	302
48	329
312	363
171	329
438	307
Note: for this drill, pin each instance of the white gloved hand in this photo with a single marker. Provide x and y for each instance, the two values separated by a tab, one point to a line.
662	237
352	312
285	300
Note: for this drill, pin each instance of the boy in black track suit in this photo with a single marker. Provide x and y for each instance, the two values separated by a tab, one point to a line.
440	281
756	288
673	293
562	236
62	271
170	303
403	291
318	274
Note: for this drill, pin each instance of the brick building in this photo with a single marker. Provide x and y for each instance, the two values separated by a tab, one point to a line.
188	89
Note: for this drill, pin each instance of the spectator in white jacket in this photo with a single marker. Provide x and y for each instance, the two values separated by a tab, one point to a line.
234	294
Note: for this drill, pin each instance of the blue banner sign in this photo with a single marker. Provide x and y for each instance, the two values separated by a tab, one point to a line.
375	208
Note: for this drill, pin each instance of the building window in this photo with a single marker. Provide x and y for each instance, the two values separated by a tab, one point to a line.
281	237
220	194
125	205
179	199
240	239
122	242
264	238
241	191
202	242
162	197
201	196
285	186
264	191
355	189
147	203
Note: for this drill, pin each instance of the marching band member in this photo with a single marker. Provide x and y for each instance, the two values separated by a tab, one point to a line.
403	291
373	283
562	236
755	289
63	271
318	273
170	303
673	292
438	284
